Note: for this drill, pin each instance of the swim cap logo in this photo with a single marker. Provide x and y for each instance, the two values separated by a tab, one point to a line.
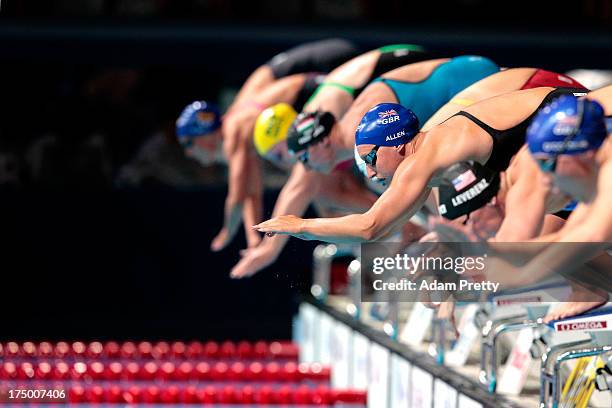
273	126
317	132
397	135
560	146
205	116
565	126
305	128
388	116
471	193
464	180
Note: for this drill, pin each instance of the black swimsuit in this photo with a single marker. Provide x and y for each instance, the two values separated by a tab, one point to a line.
506	143
318	56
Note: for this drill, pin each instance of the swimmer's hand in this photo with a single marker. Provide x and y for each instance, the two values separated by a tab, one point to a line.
284	225
253	260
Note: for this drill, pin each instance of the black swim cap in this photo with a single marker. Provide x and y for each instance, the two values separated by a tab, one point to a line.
466	187
309	128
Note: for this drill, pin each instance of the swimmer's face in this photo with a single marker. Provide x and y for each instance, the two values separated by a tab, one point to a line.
279	156
204	149
381	163
573	175
319	157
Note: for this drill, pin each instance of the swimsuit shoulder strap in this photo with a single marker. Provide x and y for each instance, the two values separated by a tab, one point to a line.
349	90
477	121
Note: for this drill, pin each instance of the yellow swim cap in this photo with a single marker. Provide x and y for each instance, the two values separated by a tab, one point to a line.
272	126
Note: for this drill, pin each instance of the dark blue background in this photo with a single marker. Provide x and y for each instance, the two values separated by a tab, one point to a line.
134	264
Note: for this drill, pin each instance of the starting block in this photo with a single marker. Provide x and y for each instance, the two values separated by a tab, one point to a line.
598	325
511	311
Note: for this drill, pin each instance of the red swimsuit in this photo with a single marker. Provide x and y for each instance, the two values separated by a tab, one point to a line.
547	78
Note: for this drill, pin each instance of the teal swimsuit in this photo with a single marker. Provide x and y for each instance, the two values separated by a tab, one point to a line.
446	80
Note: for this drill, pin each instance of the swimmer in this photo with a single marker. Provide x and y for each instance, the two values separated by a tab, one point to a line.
489	132
202	134
427	85
510	206
206	138
335	94
505	81
580	167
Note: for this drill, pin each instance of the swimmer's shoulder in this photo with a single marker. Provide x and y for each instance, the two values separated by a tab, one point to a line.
416	72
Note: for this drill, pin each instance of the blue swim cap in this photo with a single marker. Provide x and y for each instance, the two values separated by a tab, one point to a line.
387	124
567	125
199	118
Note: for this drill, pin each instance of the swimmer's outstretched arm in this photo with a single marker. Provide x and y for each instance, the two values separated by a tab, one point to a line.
337	190
404	197
294	198
238	148
353	228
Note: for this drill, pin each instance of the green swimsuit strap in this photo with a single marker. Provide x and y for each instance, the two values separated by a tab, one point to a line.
395	47
349	90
